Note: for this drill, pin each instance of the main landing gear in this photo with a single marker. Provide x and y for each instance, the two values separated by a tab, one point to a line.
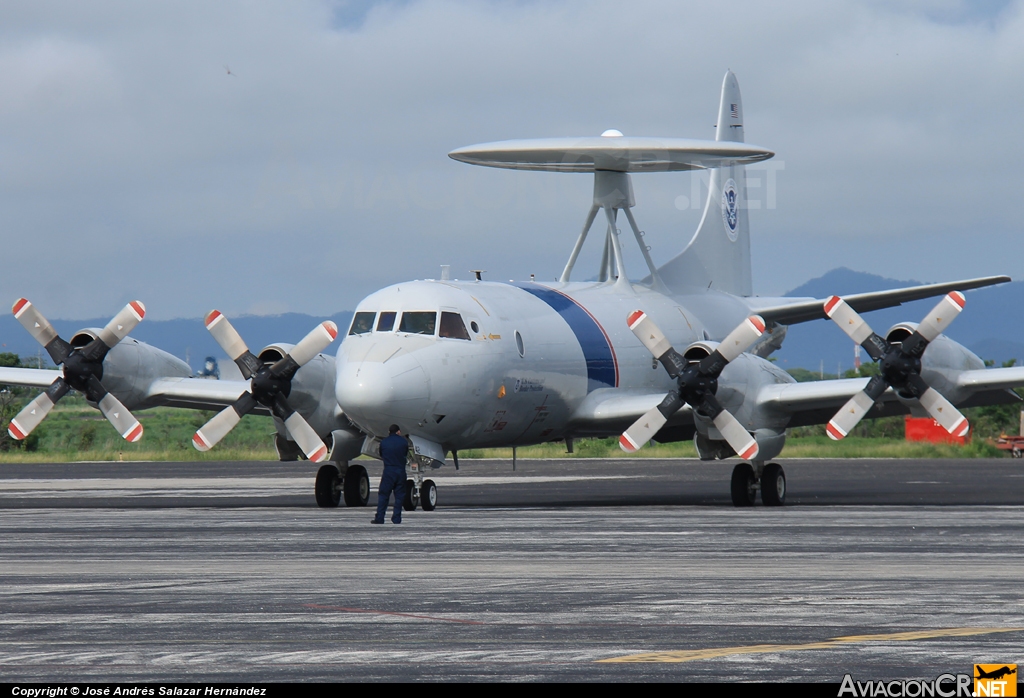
331	484
748	479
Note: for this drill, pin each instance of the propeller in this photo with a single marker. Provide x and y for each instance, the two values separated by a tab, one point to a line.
269	386
83	369
697	384
900	365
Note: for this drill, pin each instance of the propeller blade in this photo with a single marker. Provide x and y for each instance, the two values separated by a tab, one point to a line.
41	329
736	435
648	333
850	414
34	412
936	322
740	339
644	429
307	439
123	323
850	322
121	419
308	347
232	344
942	411
210	434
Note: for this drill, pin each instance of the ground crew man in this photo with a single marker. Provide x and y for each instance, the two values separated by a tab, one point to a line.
394	451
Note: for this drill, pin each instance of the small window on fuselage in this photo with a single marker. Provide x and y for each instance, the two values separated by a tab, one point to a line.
452	326
362	323
386	323
418	322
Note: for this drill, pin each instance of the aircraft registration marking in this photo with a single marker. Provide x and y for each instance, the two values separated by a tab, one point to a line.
716	652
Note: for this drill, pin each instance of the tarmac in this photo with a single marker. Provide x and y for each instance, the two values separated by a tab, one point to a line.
566	570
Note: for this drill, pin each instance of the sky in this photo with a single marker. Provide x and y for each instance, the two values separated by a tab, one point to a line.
292	156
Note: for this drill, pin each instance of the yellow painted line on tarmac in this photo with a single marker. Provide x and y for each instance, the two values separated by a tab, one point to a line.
715	652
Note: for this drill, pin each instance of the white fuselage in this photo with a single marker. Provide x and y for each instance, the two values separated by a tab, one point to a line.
530	354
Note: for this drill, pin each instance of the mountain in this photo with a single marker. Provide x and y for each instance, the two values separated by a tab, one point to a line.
987	326
181	337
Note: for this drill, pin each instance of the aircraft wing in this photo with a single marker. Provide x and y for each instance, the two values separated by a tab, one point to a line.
193	393
30	377
197	393
991	378
816	402
803	310
615	409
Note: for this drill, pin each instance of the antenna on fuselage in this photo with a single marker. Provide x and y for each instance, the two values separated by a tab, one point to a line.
478	273
611	157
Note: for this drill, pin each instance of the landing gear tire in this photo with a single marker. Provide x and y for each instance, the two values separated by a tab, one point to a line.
328	486
428	495
743	481
773	485
410	502
357	486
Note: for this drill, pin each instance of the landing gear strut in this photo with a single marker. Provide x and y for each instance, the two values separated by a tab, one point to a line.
746	483
419	492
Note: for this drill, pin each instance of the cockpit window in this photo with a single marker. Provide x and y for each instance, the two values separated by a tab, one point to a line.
452	326
386	323
362	323
418	323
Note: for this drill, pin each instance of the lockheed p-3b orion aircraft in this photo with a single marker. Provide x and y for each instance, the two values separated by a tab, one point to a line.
681	354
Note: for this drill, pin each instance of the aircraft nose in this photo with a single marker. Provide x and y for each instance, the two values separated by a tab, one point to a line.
376	393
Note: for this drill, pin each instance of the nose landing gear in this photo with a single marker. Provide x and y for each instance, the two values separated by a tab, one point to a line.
419	491
769	479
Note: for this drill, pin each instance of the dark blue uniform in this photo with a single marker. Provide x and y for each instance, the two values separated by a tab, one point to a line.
394	450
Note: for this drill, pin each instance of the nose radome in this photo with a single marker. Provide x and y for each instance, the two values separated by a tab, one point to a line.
376	393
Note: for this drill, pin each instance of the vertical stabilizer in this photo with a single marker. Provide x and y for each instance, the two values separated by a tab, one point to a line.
718	254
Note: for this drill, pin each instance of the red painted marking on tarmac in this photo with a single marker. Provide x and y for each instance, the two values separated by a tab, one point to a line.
391	613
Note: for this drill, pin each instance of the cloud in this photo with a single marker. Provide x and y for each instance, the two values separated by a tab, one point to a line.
132	164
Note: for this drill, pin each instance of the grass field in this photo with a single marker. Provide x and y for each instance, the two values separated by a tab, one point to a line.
76	432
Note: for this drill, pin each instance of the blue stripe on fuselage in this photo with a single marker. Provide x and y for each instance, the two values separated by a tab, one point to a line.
597	351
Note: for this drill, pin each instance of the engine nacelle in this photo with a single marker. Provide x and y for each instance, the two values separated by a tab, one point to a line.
312	393
132	366
742	377
941	362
